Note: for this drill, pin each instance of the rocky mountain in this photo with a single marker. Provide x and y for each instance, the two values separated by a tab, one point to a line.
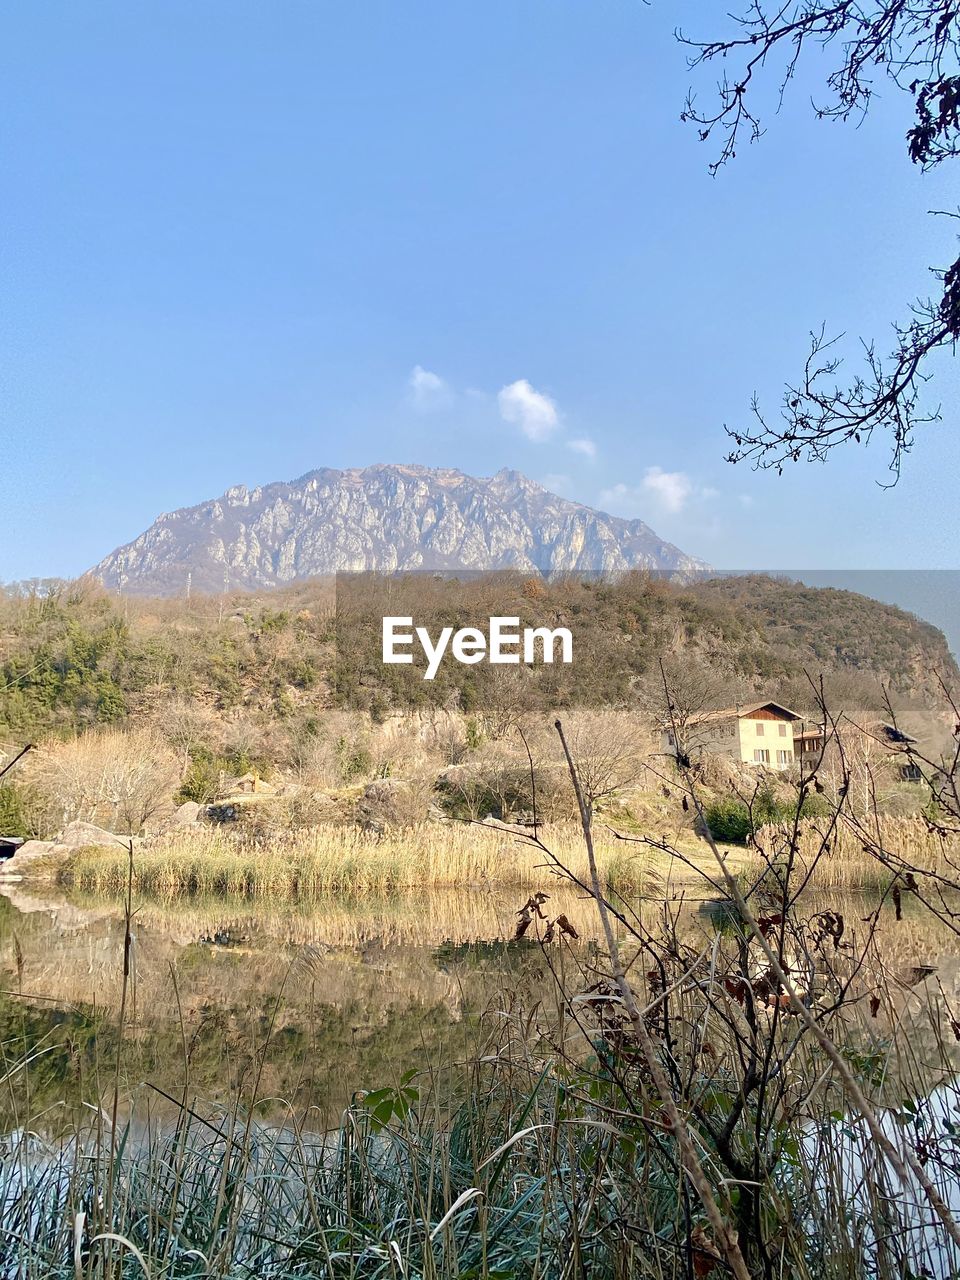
380	517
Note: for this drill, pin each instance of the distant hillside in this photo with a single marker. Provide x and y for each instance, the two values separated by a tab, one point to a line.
266	668
380	517
824	628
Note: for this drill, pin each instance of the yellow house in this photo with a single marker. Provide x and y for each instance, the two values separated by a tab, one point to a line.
760	733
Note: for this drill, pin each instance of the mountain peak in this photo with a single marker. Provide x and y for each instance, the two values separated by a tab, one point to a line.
387	516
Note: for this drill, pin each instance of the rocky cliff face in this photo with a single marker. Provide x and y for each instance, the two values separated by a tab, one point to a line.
380	517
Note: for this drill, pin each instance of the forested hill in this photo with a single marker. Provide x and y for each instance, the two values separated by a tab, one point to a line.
73	656
836	629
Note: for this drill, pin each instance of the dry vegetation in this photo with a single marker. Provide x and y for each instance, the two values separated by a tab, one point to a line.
348	862
846	855
248	676
767	1091
139	706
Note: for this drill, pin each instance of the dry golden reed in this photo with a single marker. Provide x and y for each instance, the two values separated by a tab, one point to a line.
408	918
861	856
347	861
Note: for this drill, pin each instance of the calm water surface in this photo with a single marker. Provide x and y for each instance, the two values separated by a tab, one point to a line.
309	1001
306	1003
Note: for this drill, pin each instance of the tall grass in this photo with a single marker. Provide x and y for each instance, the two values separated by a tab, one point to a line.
346	861
536	1169
842	857
495	1190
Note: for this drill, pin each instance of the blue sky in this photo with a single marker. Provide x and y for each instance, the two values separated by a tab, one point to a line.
231	233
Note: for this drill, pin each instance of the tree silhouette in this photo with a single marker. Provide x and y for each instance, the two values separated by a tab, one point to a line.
914	44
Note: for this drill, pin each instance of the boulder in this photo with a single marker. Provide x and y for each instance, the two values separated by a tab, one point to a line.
80	835
28	852
186	815
390	802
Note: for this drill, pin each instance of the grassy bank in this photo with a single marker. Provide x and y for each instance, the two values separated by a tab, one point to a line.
345	861
495	1190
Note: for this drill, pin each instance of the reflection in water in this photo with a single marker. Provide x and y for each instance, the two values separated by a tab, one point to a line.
311	1001
308	1003
860	1182
299	1006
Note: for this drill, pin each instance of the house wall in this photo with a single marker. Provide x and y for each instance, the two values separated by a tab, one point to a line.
766	733
740	739
719	737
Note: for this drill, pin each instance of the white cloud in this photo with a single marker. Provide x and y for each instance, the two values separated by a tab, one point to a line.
558	484
672	489
530	410
618	495
669	491
428	390
584	445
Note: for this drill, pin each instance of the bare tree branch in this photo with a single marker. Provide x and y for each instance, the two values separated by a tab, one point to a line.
915	44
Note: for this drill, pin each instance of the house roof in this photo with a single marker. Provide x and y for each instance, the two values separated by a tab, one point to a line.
893	734
878	730
745	711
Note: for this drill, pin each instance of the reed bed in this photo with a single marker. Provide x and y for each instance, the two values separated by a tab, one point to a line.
852	857
348	862
533	1169
496	1191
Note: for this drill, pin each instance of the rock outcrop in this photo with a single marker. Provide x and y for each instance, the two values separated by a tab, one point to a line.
40	858
385	518
84	835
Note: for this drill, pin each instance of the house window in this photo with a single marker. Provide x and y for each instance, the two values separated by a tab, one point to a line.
783	730
784	757
759	728
671	740
761	756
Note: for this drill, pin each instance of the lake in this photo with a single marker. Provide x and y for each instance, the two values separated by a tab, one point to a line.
317	1000
301	1006
306	1003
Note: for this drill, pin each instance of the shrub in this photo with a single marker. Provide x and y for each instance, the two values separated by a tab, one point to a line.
121	781
21	812
202	778
729	821
497	783
354	759
815	807
395	802
205	775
